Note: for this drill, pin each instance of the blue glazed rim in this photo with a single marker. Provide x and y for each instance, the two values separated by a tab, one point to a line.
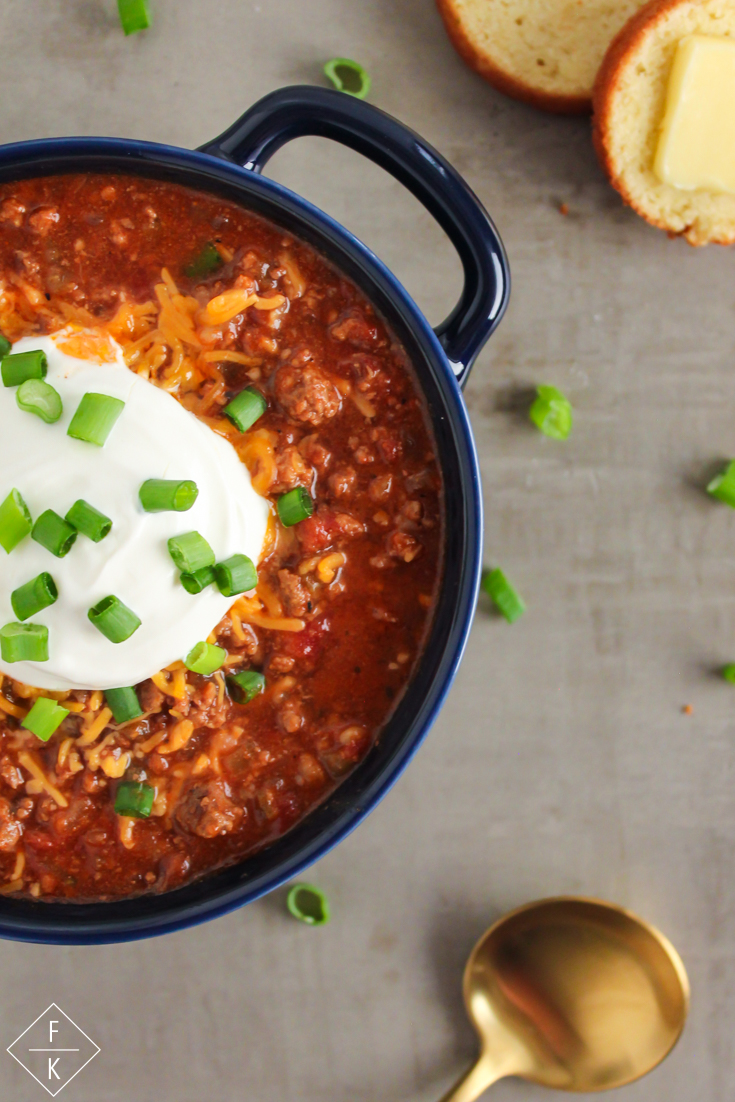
441	361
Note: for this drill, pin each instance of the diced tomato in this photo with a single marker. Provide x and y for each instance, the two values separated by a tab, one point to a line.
318	531
39	839
305	646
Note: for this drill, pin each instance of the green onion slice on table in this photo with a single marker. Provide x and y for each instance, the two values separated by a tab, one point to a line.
5	347
135	799
500	591
246	408
135	15
190	552
208	261
551	413
19	366
722	485
124	704
235	575
308	904
15	521
34	596
39	397
54	533
24	643
245	686
199	580
44	718
90	522
165	495
205	658
348	76
95	418
294	506
115	620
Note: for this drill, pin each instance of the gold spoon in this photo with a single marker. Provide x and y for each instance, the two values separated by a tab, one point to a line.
574	994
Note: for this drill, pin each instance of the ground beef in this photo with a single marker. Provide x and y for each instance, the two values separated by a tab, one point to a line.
306	393
294	593
206	708
292	470
208	811
354	328
10	773
342	481
151	697
10	828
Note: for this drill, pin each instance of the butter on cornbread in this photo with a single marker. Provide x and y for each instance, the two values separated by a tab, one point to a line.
664	117
696	147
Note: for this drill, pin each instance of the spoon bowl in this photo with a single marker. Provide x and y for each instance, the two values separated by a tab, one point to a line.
574	994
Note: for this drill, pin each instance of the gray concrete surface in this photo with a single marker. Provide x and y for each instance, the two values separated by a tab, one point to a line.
562	761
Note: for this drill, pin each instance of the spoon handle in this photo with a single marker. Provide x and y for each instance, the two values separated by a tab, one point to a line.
475	1081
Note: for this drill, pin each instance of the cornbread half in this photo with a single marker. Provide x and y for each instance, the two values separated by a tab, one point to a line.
629	105
544	52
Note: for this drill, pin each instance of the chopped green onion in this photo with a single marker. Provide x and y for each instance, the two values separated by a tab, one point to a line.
24	643
348	76
208	261
503	595
246	408
308	904
552	413
190	552
54	533
728	672
135	15
722	485
89	521
124	704
245	686
39	397
235	575
134	799
5	346
294	506
115	620
199	580
15	521
15	369
95	418
34	596
205	658
44	718
161	495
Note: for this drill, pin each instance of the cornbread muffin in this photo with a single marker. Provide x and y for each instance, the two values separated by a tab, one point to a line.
544	52
629	105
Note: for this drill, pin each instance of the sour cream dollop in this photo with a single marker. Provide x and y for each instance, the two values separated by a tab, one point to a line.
155	437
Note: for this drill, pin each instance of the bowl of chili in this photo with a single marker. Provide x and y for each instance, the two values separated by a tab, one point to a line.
230	169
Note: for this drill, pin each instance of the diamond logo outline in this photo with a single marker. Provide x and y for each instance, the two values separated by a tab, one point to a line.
95	1046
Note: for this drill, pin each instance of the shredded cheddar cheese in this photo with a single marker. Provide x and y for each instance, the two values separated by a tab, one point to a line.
12	709
178	737
33	766
93	730
125	828
327	567
222	308
152	742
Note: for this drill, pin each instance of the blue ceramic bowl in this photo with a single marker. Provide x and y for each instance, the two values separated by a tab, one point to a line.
231	166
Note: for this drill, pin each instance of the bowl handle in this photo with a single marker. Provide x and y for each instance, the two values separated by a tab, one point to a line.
304	110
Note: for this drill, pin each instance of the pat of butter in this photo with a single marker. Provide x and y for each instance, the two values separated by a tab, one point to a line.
697	144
